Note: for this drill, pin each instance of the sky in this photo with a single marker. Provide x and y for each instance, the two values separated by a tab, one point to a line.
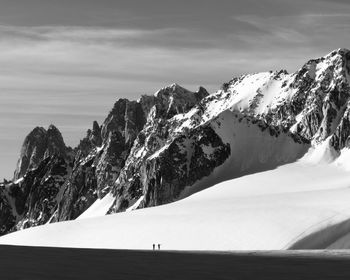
67	61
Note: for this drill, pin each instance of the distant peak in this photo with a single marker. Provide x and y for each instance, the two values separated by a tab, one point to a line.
52	128
171	89
53	131
201	93
175	87
42	132
202	89
343	50
38	130
95	125
340	51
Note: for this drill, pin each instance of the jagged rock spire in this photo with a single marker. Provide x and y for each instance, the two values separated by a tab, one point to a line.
38	145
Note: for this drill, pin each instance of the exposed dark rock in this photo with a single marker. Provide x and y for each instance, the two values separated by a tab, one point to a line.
79	192
38	145
95	136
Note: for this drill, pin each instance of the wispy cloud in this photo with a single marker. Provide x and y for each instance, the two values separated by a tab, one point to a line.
133	61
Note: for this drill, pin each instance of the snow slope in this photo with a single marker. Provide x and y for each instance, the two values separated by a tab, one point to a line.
99	208
260	211
252	149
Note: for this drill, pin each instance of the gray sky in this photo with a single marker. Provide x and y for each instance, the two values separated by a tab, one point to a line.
67	61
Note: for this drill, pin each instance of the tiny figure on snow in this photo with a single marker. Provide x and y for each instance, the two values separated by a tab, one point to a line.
158	246
154	247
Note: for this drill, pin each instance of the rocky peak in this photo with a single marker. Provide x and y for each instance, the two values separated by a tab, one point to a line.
171	89
336	62
38	145
92	139
311	102
55	143
129	117
322	94
343	52
126	117
95	136
174	99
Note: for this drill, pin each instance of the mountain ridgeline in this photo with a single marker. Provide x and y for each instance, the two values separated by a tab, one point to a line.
166	146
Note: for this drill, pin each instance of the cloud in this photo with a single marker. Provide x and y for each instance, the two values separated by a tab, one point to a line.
345	2
110	58
134	61
308	34
91	58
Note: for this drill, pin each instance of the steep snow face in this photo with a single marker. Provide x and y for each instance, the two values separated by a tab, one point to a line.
260	211
257	93
254	147
99	208
312	102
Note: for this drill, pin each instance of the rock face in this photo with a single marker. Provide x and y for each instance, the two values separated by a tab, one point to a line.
169	145
38	145
42	169
37	194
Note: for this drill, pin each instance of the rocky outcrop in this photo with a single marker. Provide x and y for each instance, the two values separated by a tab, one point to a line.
32	200
36	195
78	193
38	145
7	212
323	101
160	176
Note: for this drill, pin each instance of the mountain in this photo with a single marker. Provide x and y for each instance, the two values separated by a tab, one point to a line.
312	102
167	146
270	210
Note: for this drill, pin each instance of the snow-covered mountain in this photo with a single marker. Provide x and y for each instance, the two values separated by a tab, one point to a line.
167	146
254	212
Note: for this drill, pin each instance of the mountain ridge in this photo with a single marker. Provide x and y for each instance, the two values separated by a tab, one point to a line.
168	145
